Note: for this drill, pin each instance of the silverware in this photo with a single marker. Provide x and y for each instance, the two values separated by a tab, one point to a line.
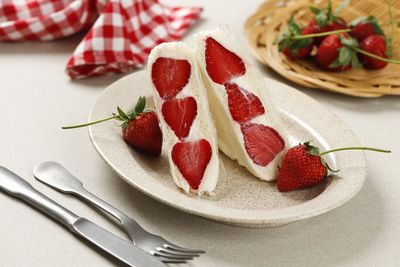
56	176
115	246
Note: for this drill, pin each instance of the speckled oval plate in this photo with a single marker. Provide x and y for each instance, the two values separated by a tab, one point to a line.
240	198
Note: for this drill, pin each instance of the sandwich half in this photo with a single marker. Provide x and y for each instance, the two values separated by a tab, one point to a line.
182	106
248	126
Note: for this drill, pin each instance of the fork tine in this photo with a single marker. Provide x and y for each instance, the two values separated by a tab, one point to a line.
167	260
176	253
172	256
180	249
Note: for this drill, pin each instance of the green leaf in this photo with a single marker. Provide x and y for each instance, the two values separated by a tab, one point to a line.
313	150
314	10
344	56
293	27
351	42
375	25
330	13
357	21
336	63
140	105
119	119
329	168
321	19
355	62
342	6
283	43
122	114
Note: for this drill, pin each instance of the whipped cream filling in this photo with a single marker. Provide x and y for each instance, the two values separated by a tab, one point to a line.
230	137
202	126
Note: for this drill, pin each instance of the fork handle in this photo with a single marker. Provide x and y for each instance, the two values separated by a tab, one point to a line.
18	187
101	204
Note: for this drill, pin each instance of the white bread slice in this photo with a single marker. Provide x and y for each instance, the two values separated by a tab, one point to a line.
202	127
230	137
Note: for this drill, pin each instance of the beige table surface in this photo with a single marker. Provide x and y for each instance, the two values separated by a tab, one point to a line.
37	97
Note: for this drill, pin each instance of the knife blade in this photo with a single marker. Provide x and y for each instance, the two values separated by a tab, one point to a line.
119	248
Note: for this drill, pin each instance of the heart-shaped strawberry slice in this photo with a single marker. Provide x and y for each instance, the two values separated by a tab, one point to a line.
192	159
243	105
179	115
222	64
170	75
262	143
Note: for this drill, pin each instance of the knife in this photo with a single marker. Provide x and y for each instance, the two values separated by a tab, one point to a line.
119	248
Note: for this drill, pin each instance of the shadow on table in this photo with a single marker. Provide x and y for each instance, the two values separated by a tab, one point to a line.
63	45
327	240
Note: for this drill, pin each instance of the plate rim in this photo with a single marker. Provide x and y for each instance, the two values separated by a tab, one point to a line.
252	216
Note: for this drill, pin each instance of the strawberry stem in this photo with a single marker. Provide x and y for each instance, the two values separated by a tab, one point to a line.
320	34
356	148
90	123
389	60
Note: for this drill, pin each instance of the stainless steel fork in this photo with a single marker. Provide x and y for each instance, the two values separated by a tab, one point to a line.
56	176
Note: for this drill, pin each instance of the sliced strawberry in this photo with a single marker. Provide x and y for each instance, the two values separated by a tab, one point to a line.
262	143
169	76
222	64
179	115
243	105
192	159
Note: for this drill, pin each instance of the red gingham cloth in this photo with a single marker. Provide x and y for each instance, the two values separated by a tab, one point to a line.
121	36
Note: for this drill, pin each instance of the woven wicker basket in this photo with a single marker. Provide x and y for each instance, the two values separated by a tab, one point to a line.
271	19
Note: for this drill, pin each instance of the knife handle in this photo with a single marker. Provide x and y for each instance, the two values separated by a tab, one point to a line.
18	187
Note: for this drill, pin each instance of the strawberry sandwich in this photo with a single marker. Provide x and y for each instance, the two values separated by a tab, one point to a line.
247	123
188	131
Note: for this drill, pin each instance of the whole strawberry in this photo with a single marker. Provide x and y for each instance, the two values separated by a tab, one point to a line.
365	26
303	166
300	50
140	128
295	48
374	44
143	133
335	53
313	27
326	20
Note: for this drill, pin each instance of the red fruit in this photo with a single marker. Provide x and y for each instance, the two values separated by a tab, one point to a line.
362	30
262	143
243	105
143	133
303	166
328	52
179	115
192	159
338	24
374	44
300	169
301	52
222	64
169	76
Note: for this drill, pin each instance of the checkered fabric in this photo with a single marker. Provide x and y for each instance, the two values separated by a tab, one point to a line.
122	34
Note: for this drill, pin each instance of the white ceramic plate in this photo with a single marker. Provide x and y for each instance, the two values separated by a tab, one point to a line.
240	198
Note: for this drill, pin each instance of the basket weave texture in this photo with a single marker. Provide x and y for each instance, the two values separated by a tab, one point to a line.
270	20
